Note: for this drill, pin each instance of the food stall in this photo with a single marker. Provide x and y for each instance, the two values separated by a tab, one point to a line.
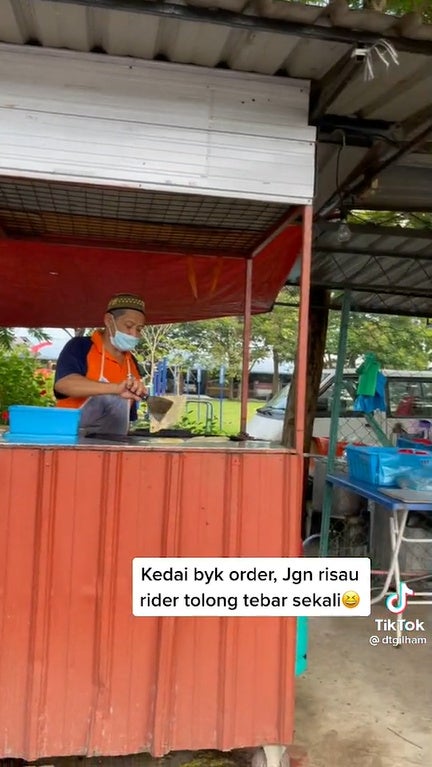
79	674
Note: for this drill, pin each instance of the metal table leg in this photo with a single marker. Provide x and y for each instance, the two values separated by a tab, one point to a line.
394	531
397	529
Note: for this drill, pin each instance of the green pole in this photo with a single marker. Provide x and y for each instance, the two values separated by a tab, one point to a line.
334	422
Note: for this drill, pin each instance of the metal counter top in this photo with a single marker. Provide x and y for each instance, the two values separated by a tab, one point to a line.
203	444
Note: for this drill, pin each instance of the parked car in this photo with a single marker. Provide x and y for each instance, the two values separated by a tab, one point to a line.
408	399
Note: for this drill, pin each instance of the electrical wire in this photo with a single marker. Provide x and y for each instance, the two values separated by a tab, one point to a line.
382	49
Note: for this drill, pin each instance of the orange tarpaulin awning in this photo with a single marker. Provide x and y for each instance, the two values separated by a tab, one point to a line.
68	285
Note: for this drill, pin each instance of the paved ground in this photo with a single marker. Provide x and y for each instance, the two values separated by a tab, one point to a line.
364	706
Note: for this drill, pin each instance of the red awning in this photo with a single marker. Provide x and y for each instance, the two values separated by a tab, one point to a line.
45	284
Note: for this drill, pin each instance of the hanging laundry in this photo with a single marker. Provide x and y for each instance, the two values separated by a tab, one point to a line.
371	389
368	375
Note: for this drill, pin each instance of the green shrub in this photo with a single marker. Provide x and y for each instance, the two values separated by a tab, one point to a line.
20	384
199	428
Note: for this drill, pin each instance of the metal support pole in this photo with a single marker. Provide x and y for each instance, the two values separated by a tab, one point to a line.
302	349
334	423
246	344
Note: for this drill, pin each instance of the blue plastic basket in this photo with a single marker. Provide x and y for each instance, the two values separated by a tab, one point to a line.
382	465
30	424
414	444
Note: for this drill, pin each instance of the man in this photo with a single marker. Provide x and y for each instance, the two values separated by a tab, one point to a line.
99	374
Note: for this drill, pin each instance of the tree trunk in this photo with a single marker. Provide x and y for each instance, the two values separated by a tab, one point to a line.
180	382
318	322
231	388
276	380
375	5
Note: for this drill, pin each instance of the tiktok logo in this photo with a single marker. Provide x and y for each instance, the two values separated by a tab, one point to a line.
397	603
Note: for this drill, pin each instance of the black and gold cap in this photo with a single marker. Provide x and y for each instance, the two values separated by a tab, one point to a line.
126	301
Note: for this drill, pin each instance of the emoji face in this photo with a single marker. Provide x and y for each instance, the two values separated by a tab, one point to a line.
350	599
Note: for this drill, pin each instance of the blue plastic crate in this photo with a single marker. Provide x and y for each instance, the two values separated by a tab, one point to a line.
28	423
381	465
414	444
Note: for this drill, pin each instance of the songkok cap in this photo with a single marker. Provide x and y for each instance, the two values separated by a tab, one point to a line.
126	301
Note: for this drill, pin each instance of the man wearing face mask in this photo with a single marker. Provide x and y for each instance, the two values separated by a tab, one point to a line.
100	375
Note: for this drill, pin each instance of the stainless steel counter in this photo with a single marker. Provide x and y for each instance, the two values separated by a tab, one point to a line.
156	443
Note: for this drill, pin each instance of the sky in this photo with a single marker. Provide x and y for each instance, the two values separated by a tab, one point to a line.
52	332
58	336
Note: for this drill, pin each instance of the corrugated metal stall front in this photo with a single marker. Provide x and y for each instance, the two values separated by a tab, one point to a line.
78	673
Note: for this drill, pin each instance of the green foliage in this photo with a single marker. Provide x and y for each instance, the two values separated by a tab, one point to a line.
212	343
19	382
7	336
156	343
391	218
277	329
198	428
400	343
395	7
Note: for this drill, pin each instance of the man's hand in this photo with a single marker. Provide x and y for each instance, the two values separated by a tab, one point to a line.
132	388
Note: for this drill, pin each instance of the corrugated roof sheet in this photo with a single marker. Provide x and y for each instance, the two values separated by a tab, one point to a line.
387	119
388	269
271	37
185	32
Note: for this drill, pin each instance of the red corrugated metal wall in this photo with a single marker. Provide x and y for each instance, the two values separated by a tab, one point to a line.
78	673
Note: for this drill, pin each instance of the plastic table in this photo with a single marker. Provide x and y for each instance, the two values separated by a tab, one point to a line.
399	510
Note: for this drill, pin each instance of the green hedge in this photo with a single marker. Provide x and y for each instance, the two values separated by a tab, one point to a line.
20	383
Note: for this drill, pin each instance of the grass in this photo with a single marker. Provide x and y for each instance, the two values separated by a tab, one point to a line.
230	414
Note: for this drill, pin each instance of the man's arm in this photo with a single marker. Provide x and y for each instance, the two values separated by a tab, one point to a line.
71	375
75	385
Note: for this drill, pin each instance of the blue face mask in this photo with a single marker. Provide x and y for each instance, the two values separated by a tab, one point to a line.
123	342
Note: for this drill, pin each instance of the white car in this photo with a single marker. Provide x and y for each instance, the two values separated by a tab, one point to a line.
409	409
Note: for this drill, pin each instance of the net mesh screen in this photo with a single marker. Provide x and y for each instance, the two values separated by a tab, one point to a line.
67	210
360	528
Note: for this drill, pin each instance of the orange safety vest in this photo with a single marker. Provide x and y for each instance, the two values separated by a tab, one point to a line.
100	364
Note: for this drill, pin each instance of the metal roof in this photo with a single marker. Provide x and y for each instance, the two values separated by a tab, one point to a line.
182	31
388	269
384	120
374	136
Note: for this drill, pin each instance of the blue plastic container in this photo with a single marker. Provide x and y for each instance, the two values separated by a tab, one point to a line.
43	425
381	465
414	444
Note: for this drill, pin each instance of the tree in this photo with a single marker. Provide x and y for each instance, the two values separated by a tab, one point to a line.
277	332
156	343
395	7
8	336
391	218
213	343
401	343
